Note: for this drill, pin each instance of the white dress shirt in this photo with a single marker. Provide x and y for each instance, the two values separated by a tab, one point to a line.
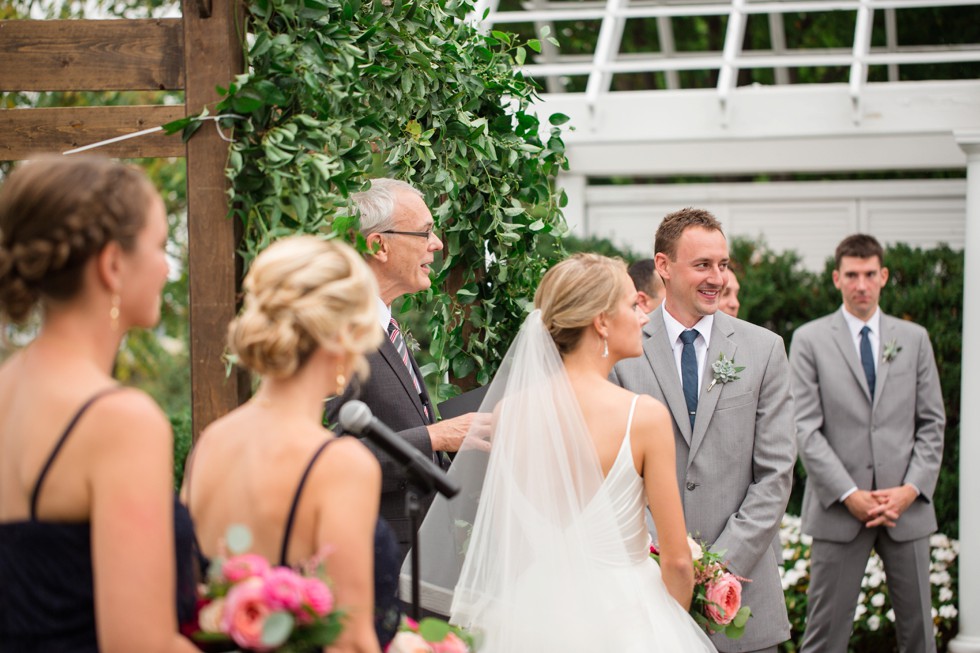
854	324
674	330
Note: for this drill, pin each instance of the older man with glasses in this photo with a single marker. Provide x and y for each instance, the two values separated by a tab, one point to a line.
398	228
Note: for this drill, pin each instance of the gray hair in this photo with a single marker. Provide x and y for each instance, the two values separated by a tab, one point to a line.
376	205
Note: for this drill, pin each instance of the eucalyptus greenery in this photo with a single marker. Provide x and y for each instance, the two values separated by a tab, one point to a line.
338	91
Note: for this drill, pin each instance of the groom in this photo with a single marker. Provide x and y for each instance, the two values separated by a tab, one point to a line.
734	433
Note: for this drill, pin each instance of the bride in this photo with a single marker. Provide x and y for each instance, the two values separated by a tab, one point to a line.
550	526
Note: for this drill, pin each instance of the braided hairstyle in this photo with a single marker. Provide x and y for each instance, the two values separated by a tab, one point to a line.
56	213
300	293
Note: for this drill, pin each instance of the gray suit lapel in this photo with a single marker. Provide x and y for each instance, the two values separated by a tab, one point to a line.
390	355
842	337
659	354
887	334
721	343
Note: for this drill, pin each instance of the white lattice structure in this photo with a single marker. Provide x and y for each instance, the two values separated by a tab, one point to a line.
783	127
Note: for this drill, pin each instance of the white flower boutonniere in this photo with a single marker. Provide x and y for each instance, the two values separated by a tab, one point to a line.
891	350
724	370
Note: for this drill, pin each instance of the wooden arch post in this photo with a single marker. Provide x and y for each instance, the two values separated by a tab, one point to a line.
195	53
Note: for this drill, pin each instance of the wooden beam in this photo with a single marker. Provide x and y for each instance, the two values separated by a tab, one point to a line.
30	131
215	46
92	55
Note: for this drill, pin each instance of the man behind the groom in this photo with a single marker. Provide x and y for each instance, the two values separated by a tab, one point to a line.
733	432
869	419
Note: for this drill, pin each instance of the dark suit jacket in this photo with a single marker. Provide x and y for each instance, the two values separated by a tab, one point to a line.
391	396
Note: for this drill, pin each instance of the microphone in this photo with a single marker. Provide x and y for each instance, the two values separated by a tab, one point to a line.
355	417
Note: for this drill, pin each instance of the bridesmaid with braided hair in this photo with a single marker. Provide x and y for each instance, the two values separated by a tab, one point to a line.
93	546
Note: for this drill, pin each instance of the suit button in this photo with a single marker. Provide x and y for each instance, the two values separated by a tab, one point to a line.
691	486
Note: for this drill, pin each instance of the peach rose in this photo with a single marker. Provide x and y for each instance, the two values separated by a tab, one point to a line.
245	614
696	550
209	617
238	568
724	598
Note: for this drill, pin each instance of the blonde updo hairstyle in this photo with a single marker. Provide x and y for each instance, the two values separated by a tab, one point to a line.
56	213
302	293
574	292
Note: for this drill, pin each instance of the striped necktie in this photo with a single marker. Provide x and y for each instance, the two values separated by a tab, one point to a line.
395	335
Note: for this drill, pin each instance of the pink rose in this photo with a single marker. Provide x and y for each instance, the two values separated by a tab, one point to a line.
317	596
245	614
209	617
724	598
238	568
408	642
450	644
283	589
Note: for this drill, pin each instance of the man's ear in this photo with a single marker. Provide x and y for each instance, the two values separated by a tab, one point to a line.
378	247
884	276
836	278
660	261
109	266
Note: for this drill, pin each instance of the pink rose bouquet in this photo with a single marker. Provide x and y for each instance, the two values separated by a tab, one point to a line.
263	608
430	636
717	602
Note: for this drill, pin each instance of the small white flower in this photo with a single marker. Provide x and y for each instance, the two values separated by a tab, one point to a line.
890	615
874	580
862	597
878	600
940	578
945	594
788	554
806	539
859	611
696	550
948	611
874	622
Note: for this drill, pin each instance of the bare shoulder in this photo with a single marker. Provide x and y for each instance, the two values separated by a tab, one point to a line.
128	415
347	457
651	415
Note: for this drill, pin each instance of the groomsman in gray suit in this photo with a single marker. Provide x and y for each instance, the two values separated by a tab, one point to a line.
869	420
395	220
726	383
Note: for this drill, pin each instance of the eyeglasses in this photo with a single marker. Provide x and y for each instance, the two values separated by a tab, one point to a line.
419	234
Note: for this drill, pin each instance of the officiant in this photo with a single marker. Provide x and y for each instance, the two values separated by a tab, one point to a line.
399	228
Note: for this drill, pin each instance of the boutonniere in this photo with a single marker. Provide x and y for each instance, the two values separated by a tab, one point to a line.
724	370
891	350
411	343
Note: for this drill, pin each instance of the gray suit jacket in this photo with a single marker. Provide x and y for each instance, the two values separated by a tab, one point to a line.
735	470
391	396
846	440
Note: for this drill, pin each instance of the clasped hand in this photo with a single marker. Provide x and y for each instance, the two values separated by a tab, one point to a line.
448	434
880	507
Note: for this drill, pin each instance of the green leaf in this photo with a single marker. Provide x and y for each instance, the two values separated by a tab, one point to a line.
558	119
535	45
520	55
277	628
433	630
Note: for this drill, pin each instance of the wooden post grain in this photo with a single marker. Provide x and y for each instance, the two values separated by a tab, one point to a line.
212	57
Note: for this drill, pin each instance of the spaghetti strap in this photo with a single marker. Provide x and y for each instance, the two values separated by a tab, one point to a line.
61	441
629	420
292	508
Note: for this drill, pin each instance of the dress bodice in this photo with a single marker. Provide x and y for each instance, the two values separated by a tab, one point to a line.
623	490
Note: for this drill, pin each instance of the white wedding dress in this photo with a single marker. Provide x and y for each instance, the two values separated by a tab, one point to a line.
551	555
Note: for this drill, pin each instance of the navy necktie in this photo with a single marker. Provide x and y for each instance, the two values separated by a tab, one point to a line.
868	359
689	372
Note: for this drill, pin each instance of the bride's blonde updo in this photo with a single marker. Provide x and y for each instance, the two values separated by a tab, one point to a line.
302	292
56	213
574	292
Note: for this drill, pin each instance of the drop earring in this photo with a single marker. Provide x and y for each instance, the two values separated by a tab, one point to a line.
605	348
341	382
114	313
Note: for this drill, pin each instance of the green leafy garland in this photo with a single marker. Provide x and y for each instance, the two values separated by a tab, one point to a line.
337	91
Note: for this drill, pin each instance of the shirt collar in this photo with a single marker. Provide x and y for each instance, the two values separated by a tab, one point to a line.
674	328
854	324
384	314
